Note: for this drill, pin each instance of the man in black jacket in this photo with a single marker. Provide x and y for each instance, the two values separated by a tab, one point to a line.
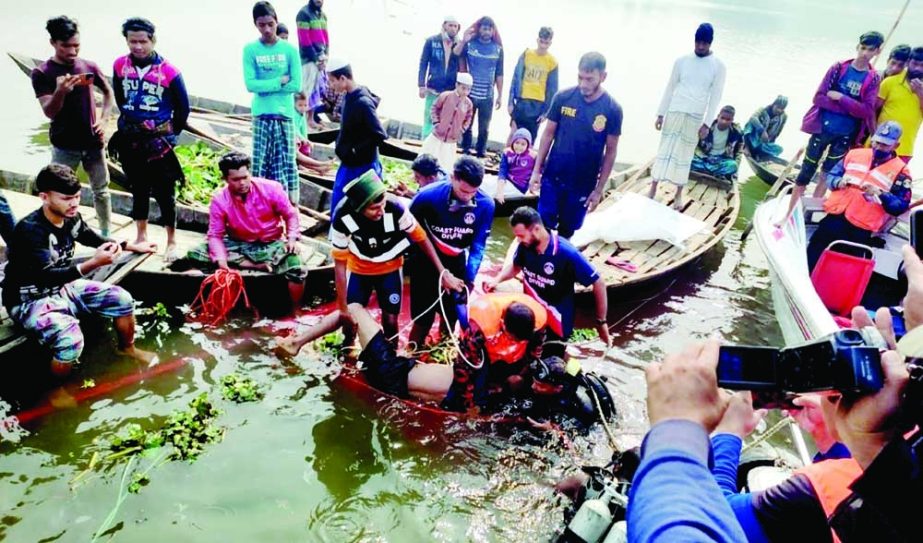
360	130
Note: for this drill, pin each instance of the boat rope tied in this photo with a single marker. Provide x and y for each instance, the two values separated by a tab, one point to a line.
218	295
603	420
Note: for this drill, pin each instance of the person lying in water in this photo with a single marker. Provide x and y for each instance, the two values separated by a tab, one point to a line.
46	293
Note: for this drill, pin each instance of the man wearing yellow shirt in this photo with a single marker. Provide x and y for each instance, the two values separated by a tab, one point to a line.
535	82
899	99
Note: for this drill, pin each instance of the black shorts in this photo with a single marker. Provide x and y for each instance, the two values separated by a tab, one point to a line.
836	147
383	368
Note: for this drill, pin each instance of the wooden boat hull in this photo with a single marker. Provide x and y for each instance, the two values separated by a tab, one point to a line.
770	169
715	202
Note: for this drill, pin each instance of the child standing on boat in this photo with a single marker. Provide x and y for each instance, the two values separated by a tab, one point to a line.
451	116
272	72
303	152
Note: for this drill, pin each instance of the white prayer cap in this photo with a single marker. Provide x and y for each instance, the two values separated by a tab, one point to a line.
336	63
464	79
450	19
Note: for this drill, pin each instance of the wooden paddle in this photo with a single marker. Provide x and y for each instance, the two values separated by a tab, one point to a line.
776	187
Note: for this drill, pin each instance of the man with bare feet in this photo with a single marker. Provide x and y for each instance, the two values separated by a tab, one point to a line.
45	291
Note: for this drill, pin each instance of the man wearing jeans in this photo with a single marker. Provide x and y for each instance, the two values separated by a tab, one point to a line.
63	85
483	55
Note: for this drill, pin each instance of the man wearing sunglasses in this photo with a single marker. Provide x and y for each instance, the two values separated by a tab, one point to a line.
456	216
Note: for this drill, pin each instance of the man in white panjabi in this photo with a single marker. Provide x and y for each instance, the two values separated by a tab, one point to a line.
692	95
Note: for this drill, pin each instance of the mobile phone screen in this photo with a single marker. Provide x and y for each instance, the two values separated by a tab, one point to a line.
916	231
747	368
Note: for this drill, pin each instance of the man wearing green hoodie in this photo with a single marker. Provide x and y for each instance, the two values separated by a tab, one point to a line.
272	72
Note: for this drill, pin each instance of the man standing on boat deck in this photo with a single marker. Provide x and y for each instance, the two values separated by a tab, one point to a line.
482	54
313	44
456	216
245	227
719	152
578	149
550	267
154	106
370	233
689	101
360	130
272	72
64	85
46	293
869	186
842	115
899	99
438	67
764	127
535	82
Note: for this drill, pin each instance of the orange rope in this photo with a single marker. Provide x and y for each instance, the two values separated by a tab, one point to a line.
217	296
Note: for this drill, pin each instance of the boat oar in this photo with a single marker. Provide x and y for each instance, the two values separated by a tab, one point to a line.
776	187
900	16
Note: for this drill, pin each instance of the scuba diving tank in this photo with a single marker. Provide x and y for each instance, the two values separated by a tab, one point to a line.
591	521
618	533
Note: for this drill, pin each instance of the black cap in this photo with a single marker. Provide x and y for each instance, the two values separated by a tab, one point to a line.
57	178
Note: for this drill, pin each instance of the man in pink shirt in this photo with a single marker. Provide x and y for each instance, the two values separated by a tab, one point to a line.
245	227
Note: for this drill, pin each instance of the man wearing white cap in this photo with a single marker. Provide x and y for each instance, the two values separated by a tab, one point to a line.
360	130
451	115
868	186
438	66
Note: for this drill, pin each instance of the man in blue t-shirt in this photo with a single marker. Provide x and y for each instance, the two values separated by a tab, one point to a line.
582	135
550	266
842	116
484	59
456	216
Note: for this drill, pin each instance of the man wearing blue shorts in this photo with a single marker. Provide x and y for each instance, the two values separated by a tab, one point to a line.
580	142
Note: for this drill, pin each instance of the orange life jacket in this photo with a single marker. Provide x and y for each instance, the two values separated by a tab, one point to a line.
851	201
487	311
831	480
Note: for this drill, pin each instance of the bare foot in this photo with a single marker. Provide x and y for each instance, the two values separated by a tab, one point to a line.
287	346
61	399
171	254
139	354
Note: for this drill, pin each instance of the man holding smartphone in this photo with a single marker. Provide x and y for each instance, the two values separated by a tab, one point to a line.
63	85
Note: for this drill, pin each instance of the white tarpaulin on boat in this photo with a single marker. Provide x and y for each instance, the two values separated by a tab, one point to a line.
636	218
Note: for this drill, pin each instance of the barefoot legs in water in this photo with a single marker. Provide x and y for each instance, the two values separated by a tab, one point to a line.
125	328
330	323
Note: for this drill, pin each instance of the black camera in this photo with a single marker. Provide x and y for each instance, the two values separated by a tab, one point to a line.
847	361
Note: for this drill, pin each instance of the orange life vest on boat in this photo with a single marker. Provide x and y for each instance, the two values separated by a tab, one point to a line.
487	311
831	480
851	201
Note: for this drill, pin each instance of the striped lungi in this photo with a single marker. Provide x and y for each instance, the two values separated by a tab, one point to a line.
680	135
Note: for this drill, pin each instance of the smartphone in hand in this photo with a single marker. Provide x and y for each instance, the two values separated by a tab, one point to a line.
85	79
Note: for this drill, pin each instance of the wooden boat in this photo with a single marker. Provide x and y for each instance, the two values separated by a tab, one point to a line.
713	201
770	169
801	312
154	281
